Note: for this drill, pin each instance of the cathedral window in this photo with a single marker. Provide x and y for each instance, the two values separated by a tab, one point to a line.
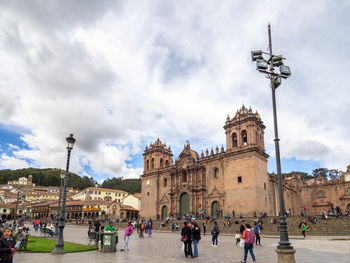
234	140
161	162
165	182
152	163
264	186
216	173
184	177
147	165
320	194
239	179
166	163
244	137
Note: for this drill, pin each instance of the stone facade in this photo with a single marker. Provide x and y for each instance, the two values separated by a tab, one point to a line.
231	179
315	195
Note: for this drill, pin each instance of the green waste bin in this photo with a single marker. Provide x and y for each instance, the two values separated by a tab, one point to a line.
109	241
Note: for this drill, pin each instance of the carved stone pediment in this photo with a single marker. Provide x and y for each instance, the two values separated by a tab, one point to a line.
215	193
164	199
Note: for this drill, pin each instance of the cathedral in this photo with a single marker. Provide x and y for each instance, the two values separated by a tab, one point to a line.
217	181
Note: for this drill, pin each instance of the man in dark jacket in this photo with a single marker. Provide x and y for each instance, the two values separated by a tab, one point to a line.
7	246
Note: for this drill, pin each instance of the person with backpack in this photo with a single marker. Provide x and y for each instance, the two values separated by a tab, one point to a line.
249	238
215	233
142	228
257	233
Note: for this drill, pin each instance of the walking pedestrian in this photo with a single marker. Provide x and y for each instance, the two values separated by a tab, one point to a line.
196	238
248	237
128	231
150	227
204	227
303	229
257	233
186	238
215	233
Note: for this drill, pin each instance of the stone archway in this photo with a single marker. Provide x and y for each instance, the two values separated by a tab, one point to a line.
164	212
184	204
215	209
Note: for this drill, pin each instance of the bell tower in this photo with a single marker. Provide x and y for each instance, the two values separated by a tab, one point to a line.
245	130
157	156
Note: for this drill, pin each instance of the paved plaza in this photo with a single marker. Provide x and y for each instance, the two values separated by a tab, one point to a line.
166	247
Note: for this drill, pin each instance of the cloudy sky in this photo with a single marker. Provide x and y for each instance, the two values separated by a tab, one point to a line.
119	74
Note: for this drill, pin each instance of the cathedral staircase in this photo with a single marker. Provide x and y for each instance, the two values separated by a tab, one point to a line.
328	227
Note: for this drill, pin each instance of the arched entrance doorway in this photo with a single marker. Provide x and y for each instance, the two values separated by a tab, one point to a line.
164	212
215	209
184	204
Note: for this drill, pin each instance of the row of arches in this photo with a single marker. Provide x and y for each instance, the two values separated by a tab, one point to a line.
244	138
151	165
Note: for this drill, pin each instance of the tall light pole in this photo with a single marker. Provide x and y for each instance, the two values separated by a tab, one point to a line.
62	175
59	246
284	249
15	217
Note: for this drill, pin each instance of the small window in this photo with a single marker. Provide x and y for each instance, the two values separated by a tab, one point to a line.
147	193
161	162
152	163
165	182
239	179
320	194
264	186
147	165
166	163
216	173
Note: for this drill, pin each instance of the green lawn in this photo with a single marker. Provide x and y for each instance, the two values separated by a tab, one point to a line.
46	245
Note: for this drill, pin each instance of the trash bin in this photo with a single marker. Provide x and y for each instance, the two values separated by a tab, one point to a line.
109	241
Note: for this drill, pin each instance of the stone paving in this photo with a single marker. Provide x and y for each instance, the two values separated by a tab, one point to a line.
166	247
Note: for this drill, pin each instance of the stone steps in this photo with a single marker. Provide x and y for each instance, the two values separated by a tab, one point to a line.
329	227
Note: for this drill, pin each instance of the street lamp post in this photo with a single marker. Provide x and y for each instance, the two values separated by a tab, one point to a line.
284	249
62	175
15	217
59	246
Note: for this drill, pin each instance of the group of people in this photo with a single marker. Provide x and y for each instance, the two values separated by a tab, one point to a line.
144	226
49	226
191	232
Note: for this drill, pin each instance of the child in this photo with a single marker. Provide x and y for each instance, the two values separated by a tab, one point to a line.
238	237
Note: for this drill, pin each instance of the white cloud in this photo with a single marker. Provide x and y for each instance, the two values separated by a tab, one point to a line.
120	75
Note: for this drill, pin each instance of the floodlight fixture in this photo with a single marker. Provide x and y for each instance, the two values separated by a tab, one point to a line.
277	61
261	64
256	55
285	70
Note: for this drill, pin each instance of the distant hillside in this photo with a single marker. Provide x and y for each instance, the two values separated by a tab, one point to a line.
129	185
47	177
51	177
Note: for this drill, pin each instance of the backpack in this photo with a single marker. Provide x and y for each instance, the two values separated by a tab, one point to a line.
142	226
250	237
